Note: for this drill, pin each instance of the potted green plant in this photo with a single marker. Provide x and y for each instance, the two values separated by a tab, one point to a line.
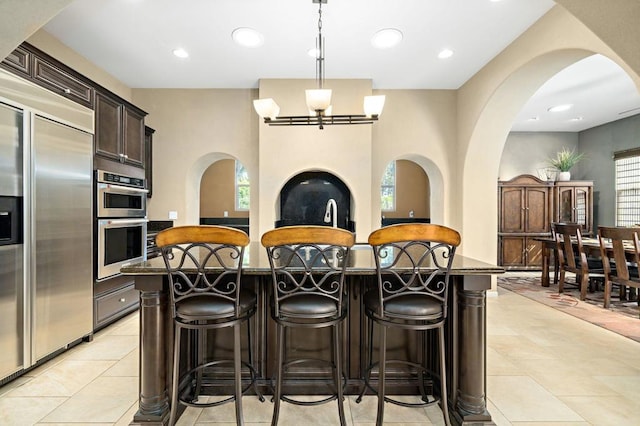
563	162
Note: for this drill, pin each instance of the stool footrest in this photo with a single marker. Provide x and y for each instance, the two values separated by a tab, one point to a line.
423	383
188	399
329	381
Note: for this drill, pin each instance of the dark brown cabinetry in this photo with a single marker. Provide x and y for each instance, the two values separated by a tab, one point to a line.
526	208
119	130
18	62
38	67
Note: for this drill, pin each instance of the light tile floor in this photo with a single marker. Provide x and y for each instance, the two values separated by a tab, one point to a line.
545	367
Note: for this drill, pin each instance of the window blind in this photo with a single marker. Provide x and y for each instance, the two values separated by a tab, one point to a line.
627	181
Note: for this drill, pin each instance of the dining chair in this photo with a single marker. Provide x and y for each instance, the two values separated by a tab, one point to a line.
413	263
572	257
308	265
204	267
620	251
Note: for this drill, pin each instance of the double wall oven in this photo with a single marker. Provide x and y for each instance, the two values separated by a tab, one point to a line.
121	210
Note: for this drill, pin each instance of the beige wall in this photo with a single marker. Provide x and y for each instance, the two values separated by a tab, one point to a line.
456	136
194	129
344	151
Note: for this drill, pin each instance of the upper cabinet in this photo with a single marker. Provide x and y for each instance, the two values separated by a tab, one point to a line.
38	67
525	205
573	203
119	130
119	125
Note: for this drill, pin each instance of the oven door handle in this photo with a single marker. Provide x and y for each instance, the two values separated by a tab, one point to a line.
125	188
121	221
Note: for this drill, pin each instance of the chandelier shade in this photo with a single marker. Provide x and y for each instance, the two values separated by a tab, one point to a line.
266	108
319	100
373	105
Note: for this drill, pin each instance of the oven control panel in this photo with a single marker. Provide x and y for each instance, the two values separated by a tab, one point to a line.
108	177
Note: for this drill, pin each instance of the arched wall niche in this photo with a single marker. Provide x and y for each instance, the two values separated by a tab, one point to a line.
192	183
218	191
304	200
436	185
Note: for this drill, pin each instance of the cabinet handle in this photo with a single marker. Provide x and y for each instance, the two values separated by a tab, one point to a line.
122	299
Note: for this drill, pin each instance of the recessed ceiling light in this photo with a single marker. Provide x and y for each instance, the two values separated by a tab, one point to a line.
445	53
560	108
181	53
577	119
386	38
247	37
533	119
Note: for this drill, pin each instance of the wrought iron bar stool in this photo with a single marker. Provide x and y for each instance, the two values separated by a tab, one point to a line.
204	266
308	265
413	263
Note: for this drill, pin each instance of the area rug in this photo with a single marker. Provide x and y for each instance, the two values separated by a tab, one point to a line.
622	317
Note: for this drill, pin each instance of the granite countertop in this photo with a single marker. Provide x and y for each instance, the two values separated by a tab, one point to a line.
361	263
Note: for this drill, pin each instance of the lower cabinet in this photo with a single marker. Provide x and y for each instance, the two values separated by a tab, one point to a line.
113	299
519	252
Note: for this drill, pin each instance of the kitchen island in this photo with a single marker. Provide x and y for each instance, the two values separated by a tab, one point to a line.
465	335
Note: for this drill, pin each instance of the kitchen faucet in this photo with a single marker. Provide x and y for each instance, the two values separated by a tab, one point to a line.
331	214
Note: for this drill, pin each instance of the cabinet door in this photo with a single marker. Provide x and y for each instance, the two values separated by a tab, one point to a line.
581	207
512	250
18	62
533	252
566	204
108	130
537	211
133	143
512	210
63	83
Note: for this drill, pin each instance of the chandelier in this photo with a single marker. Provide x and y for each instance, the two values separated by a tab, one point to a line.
319	99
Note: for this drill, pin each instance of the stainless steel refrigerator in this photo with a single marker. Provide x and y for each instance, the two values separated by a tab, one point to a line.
46	280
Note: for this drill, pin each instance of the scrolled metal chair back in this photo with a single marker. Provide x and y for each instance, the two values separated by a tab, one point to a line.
414	260
203	262
308	260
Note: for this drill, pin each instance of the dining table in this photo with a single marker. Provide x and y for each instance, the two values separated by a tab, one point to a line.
466	334
590	245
